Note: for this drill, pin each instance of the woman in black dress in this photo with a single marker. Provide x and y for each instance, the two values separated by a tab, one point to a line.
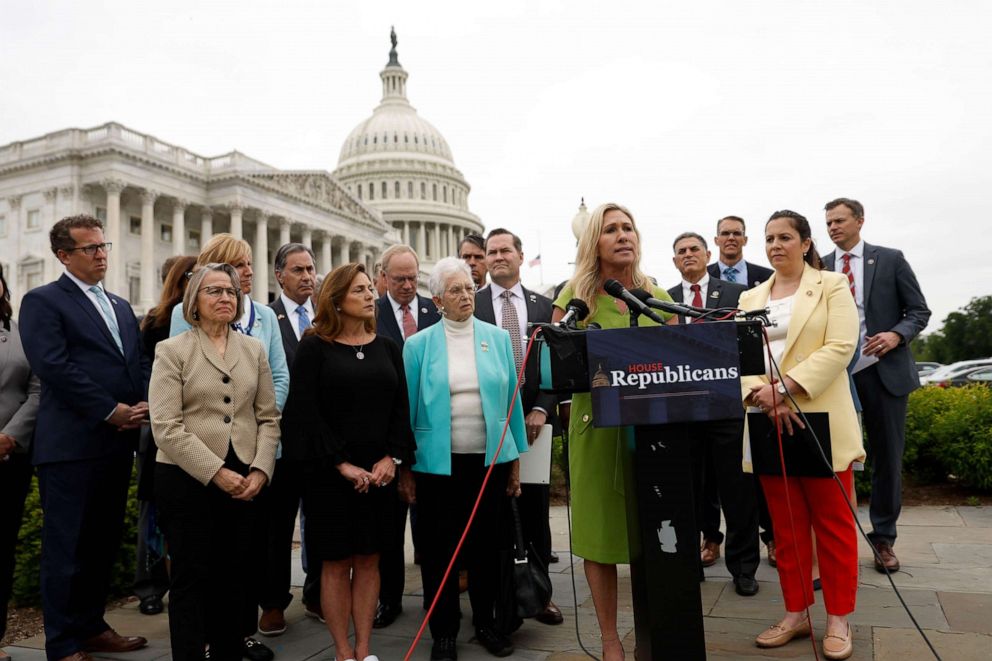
348	410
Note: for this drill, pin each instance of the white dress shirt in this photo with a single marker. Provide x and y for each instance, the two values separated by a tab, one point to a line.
93	298
704	285
741	267
858	270
517	298
293	315
398	311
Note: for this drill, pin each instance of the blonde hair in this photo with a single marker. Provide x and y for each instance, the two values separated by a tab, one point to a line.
223	248
587	282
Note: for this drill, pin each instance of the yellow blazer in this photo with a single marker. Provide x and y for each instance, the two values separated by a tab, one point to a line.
200	403
822	336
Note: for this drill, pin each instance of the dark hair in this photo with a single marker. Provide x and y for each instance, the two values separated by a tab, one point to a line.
60	236
168	264
288	249
6	311
801	225
856	207
475	239
500	231
734	218
327	319
173	289
689	235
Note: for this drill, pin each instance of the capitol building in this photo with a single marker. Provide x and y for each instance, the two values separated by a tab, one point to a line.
395	182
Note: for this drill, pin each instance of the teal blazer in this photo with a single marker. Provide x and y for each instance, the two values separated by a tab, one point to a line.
425	356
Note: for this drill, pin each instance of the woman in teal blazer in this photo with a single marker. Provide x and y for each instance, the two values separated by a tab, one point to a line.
461	379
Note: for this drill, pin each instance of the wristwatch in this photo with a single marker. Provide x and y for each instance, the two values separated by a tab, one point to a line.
781	388
396	462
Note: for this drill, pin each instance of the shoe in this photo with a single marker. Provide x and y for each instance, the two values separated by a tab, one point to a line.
462	581
888	558
151	605
256	651
817	585
553	558
272	622
444	649
78	656
776	635
114	643
496	644
838	647
772	558
371	657
315	613
745	585
709	553
386	615
550	615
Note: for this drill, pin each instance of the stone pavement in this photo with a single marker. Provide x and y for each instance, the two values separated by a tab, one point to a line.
946	555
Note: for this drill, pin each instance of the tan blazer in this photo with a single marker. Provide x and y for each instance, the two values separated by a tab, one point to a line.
200	403
822	336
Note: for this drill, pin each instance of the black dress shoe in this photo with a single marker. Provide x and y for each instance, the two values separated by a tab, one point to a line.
817	585
553	558
151	605
386	615
444	650
256	651
745	585
495	643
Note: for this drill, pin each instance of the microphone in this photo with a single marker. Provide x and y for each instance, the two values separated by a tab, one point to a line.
576	310
671	307
617	290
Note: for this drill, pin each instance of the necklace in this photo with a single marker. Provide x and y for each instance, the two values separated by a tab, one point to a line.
359	353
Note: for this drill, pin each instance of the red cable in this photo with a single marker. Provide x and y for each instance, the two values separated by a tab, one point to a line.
478	499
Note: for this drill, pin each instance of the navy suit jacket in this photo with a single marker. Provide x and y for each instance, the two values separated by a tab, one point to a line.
289	341
719	294
83	374
893	302
427	315
755	274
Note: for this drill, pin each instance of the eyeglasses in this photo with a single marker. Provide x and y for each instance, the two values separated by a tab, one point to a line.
734	233
92	250
459	290
217	292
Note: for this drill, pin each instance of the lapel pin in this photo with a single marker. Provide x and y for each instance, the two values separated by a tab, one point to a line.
533	298
485	346
871	261
423	310
280	317
809	292
3	338
714	294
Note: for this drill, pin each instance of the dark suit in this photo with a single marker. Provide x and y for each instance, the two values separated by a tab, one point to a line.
392	566
534	503
84	463
893	301
755	274
717	471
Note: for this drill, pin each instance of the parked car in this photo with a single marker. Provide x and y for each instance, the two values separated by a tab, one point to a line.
948	372
924	368
982	375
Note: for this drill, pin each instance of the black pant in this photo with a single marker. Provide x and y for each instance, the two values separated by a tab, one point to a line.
884	417
444	504
720	444
709	518
15	480
534	504
392	559
211	546
84	503
151	577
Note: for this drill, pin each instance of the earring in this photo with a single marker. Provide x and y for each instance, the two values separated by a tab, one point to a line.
196	315
338	309
805	253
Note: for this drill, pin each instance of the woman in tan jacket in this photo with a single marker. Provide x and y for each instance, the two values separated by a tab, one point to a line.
812	342
214	419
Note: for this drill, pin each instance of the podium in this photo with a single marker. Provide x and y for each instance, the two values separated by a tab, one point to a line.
659	380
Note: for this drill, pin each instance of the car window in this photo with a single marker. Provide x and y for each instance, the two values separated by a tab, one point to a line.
981	375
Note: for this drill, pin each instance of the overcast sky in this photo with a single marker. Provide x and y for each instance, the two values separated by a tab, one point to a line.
683	112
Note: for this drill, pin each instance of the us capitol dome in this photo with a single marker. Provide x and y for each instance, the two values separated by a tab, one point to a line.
400	164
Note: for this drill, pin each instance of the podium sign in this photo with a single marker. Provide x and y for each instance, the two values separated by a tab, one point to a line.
664	374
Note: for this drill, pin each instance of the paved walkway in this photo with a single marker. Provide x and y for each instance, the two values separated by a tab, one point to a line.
946	554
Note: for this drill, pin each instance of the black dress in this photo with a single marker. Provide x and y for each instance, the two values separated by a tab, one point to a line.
342	409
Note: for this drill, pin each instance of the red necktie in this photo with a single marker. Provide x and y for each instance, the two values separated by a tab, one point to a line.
847	271
409	325
697	299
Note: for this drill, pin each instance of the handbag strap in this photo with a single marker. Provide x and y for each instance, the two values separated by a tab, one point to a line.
519	552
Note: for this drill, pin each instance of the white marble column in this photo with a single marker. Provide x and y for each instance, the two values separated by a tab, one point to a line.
179	226
342	257
284	227
67	195
148	266
260	280
206	226
116	266
325	254
406	232
237	219
307	237
422	241
436	243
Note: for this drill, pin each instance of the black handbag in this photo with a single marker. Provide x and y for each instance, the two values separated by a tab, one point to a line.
531	582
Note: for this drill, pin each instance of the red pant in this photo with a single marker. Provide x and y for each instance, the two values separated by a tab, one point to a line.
819	505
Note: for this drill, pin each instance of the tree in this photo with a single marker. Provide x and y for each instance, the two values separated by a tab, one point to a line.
966	334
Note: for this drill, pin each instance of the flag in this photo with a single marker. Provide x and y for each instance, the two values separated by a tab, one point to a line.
534	262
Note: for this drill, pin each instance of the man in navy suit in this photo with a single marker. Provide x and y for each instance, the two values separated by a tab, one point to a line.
504	257
718	449
731	238
892	311
399	314
83	344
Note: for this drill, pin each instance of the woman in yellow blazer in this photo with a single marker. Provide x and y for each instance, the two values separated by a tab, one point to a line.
812	343
214	419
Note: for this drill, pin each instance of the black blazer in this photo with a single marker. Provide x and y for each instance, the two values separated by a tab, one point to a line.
893	302
289	341
719	294
755	274
538	311
427	315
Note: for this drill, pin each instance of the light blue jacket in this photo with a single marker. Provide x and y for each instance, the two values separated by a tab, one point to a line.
425	356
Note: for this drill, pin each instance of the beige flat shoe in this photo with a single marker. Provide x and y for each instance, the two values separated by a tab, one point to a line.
838	647
776	635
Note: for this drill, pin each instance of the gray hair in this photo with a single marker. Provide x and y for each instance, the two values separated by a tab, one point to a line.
288	249
443	270
191	313
690	235
393	251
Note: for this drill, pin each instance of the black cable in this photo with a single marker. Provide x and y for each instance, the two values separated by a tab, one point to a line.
777	370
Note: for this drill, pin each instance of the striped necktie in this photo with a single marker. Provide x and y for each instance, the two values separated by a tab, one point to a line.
849	273
108	316
511	324
730	274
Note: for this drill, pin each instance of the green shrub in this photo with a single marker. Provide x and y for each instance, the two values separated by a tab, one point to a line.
923	458
27	580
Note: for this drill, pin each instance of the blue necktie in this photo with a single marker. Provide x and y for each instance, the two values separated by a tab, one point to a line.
730	274
108	316
303	319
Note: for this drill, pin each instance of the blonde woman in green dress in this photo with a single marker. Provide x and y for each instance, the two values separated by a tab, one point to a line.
598	458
